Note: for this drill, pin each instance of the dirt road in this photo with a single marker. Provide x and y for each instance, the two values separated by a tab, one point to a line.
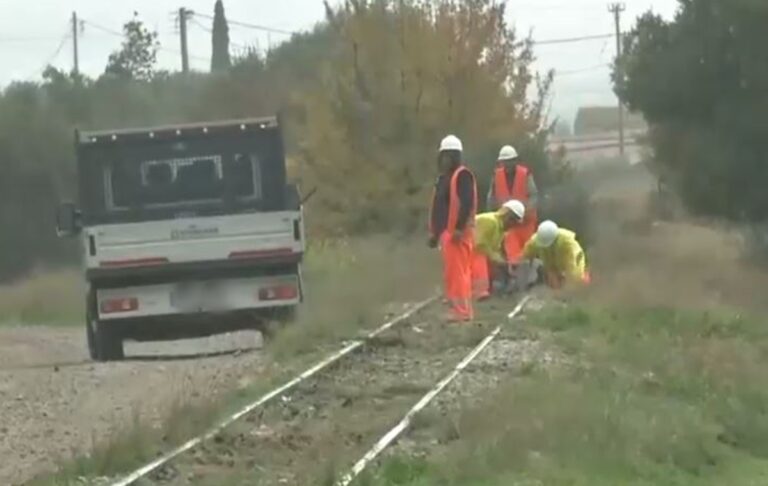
54	402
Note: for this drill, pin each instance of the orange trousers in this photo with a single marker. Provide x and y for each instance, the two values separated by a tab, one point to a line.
457	274
516	238
481	276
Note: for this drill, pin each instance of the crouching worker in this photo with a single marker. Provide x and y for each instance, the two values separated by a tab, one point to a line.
490	231
562	257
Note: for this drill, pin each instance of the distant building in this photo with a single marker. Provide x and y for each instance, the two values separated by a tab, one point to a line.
600	119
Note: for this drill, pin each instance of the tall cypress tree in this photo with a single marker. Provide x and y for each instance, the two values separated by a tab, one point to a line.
220	60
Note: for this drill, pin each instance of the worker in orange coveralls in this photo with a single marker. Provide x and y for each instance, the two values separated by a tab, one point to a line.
513	180
451	226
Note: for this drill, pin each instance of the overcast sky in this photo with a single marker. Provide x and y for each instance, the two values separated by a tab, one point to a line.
32	34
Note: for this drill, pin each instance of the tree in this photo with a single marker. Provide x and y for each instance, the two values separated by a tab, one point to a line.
700	82
138	56
365	100
220	60
403	74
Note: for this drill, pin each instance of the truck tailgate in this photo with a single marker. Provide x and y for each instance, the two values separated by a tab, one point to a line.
191	240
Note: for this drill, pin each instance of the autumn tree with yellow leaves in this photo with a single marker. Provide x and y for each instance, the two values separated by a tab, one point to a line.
402	75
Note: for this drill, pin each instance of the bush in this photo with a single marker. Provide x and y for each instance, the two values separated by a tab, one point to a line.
699	80
569	205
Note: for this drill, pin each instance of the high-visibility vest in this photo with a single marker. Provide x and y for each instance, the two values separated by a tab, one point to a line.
454	203
519	189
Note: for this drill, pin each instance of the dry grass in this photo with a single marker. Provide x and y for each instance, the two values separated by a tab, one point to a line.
45	297
641	262
354	285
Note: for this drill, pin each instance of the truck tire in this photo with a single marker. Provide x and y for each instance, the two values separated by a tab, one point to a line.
278	318
103	344
285	315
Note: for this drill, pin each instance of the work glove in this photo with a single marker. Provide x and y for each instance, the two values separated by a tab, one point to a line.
457	235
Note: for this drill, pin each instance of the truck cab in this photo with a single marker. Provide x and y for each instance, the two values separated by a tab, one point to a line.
186	231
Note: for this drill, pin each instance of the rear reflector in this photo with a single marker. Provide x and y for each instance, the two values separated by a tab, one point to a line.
138	262
279	292
115	306
255	254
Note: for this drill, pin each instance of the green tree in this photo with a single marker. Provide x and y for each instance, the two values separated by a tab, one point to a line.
700	82
138	55
220	60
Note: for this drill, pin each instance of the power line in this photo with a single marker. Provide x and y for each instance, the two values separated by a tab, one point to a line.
253	26
102	28
56	53
119	34
210	31
63	41
201	25
569	40
582	70
27	39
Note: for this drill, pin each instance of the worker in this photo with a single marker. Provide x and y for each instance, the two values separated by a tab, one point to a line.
514	180
562	257
490	229
451	224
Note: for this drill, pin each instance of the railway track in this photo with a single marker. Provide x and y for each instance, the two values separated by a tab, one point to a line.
316	426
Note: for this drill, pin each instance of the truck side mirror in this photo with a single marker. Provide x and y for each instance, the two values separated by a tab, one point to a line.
67	220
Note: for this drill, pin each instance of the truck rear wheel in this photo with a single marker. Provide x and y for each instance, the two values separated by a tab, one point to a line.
277	319
104	344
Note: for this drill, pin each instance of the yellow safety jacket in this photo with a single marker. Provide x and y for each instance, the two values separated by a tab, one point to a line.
489	235
565	256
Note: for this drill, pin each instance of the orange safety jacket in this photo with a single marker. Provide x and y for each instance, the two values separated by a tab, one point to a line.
519	190
516	238
454	203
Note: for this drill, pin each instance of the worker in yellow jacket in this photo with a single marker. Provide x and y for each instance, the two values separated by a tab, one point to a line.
490	231
563	259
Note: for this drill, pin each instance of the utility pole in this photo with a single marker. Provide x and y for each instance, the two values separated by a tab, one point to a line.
184	14
616	9
75	29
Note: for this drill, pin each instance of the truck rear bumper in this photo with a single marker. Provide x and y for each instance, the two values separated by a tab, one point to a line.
198	297
188	326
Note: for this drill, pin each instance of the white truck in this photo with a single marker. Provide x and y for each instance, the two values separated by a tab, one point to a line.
187	231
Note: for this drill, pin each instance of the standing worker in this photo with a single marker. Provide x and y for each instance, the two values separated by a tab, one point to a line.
514	180
562	257
451	225
490	229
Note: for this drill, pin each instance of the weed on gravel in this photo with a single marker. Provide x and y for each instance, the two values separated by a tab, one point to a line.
50	298
650	397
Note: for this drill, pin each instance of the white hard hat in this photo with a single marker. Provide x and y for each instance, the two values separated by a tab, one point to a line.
451	142
516	207
547	234
508	152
